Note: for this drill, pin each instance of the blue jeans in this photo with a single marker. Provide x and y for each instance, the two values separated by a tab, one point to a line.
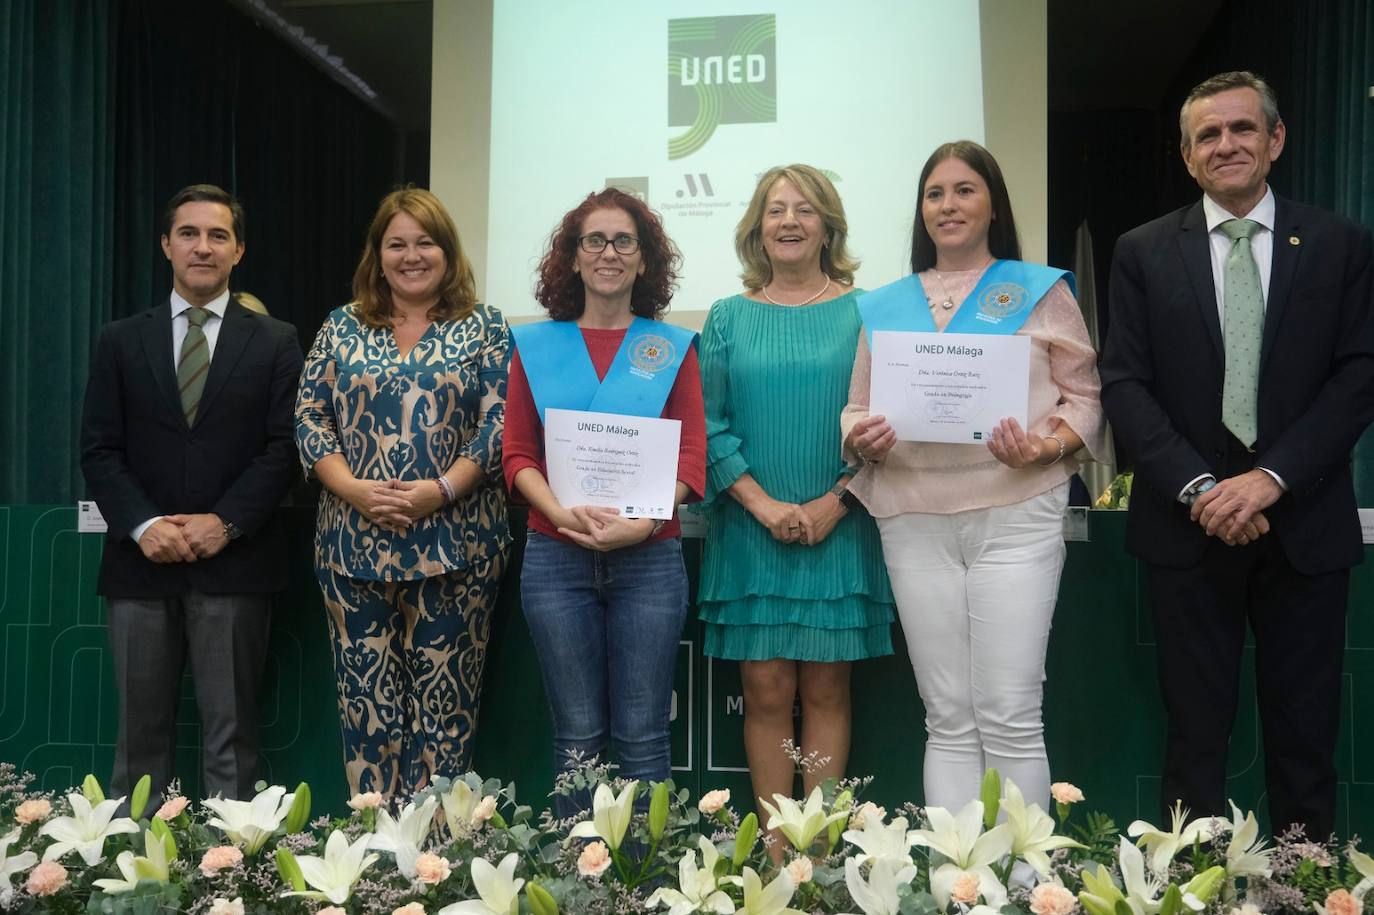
606	628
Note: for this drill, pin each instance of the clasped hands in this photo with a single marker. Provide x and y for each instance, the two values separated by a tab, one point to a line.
807	523
597	527
184	538
394	505
872	437
1233	510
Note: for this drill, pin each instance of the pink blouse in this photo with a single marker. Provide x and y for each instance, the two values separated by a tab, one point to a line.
943	479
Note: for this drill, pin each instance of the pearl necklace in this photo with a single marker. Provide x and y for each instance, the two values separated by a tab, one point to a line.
948	302
764	290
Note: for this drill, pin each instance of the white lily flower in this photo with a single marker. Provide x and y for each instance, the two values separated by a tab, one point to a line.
1364	866
86	830
799	824
960	837
1246	855
333	876
611	814
460	808
251	823
878	894
497	887
11	866
891	841
153	865
1163	845
404	838
696	890
771	899
1144	891
1032	830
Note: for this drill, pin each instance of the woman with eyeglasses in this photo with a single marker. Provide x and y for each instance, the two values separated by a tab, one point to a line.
605	595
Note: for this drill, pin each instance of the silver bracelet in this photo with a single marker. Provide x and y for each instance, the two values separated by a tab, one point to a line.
1063	447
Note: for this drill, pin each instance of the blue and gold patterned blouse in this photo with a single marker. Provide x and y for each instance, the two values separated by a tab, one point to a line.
407	418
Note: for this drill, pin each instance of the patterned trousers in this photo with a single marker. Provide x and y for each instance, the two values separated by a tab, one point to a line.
408	659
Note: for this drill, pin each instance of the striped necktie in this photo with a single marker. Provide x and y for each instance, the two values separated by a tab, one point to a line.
194	363
1244	330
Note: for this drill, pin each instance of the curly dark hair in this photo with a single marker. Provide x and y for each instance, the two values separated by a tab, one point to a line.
560	289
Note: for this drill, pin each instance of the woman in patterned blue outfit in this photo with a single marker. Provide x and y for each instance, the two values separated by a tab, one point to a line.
400	415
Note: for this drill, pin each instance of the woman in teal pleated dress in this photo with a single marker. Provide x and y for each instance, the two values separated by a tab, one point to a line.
793	584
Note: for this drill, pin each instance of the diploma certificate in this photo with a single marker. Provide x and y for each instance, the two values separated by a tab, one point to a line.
949	387
624	462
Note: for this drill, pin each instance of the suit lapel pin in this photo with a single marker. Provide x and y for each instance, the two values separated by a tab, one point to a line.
1294	240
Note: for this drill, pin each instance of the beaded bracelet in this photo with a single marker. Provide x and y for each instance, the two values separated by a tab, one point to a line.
446	488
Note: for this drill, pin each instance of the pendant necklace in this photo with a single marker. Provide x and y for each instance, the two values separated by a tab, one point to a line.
948	302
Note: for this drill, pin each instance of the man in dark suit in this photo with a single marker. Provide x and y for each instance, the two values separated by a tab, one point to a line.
1238	374
187	449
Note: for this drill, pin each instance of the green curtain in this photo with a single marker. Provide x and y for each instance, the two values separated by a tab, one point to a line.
56	196
1333	68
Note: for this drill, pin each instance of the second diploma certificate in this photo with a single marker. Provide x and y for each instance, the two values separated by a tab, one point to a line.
627	463
949	387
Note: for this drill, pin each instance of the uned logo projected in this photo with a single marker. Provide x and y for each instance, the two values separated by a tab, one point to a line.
721	70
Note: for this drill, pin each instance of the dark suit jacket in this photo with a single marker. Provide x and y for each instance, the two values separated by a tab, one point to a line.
141	459
1163	369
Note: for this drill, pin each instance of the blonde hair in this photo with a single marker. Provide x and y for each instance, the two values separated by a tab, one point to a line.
457	289
811	183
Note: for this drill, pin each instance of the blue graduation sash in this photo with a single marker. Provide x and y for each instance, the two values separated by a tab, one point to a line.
638	382
999	304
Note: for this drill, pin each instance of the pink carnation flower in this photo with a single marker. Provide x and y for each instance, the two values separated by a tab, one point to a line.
800	870
47	878
712	801
1340	902
1065	793
227	906
218	858
965	889
171	808
34	810
410	908
431	868
368	800
594	860
1052	899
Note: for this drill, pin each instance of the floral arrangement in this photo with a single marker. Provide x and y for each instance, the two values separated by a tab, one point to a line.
1117	495
467	847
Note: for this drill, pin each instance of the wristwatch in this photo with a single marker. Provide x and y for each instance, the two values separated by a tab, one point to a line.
232	531
841	491
1190	495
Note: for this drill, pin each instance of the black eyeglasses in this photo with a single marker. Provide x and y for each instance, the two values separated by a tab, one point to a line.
596	243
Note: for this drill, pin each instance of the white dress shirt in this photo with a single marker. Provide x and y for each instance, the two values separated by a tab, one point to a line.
1261	244
180	324
1262	249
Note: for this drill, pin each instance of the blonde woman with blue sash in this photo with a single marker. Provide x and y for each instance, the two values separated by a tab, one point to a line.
605	595
972	534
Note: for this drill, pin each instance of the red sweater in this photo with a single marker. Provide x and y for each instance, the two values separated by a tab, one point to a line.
523	444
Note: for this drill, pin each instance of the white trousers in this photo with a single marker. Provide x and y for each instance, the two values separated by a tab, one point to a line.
976	592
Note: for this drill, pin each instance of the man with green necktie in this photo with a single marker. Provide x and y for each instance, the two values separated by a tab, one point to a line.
187	449
1238	374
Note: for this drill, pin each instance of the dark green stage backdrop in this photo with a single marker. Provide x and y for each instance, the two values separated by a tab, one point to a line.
1103	715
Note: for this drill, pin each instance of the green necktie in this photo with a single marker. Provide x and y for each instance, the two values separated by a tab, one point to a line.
1244	330
194	363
